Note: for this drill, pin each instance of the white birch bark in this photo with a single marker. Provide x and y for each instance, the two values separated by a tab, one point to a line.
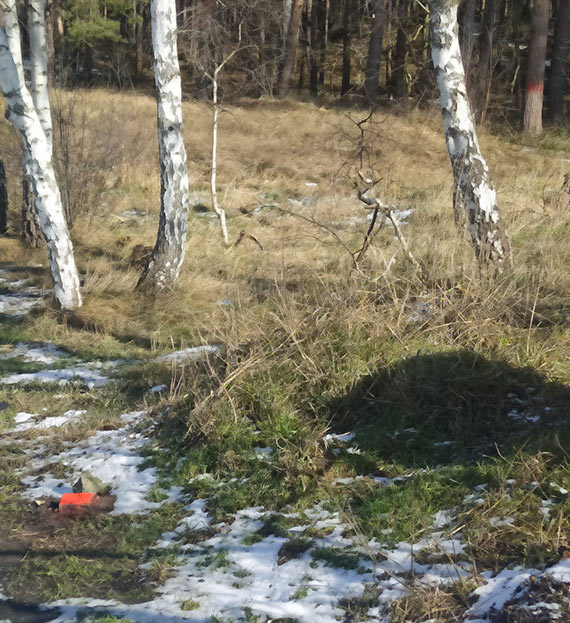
166	260
474	192
30	225
12	30
21	113
219	211
38	57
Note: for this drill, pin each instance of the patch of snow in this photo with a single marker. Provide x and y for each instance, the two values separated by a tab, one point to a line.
353	450
46	353
24	422
156	389
62	376
263	453
339	437
497	522
442	519
191	354
113	456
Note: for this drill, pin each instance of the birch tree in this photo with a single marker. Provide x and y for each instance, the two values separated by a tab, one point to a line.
30	230
20	111
474	192
166	259
39	66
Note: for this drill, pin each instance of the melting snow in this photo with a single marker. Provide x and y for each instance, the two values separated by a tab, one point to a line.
114	457
191	354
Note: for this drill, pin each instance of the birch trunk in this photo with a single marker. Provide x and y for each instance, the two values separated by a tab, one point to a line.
166	260
21	113
30	227
474	191
215	111
38	57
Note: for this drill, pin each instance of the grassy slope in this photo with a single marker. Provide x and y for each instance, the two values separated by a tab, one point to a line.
406	363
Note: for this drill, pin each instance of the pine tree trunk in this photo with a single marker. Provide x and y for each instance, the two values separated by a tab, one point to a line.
303	45
21	113
482	77
3	200
474	193
466	32
166	259
535	73
139	26
314	69
346	46
559	66
323	20
50	39
374	54
401	50
290	48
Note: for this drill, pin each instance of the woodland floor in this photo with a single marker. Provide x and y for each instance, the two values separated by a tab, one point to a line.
287	438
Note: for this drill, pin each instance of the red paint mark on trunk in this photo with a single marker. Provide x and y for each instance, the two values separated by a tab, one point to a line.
535	87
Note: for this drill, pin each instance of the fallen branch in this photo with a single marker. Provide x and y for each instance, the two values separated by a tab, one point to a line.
387	212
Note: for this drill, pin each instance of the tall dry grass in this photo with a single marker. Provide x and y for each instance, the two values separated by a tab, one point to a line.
268	152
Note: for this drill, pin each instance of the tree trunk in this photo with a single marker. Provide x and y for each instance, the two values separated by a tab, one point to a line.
50	39
323	19
21	113
400	53
374	54
39	67
482	77
474	192
559	66
287	12
30	233
166	259
303	45
346	46
535	72
30	227
466	32
139	29
3	200
314	69
290	48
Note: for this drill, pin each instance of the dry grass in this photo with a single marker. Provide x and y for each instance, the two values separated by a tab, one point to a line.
268	151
